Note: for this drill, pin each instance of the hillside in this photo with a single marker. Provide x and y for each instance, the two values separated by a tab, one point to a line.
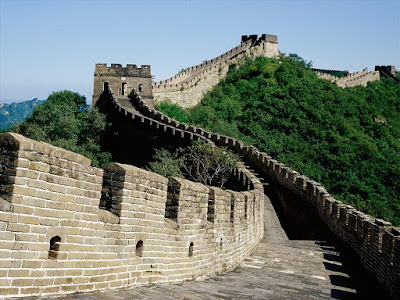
14	113
347	139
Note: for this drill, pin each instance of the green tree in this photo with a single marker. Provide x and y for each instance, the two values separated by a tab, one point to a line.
173	110
65	120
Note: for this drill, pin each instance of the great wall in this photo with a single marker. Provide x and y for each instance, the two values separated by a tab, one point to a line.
68	227
188	87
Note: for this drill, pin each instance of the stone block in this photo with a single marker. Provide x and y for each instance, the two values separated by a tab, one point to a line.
22	282
8	291
18	273
27	219
16	227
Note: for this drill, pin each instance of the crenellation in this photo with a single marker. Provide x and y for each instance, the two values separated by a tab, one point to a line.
83	227
324	206
351	79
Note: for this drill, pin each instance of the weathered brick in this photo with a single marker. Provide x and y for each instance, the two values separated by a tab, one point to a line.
9	291
24	191
25	219
22	282
32	264
16	227
18	273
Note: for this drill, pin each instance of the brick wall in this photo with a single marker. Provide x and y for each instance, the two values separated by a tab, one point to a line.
122	80
66	226
353	79
376	241
188	87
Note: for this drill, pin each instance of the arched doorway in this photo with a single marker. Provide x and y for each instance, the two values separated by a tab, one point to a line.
106	87
123	86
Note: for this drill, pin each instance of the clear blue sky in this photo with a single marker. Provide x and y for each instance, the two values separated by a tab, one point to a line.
53	45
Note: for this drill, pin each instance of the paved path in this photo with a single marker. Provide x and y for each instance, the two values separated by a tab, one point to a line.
278	269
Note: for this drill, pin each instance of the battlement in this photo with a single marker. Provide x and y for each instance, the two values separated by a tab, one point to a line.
386	69
352	79
268	38
251	37
118	70
61	221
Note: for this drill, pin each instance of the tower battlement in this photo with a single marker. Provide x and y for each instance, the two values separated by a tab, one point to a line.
268	38
118	70
121	81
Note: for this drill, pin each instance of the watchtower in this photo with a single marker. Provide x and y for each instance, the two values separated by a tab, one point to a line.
121	81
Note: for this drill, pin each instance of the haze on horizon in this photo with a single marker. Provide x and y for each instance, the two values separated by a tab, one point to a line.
48	46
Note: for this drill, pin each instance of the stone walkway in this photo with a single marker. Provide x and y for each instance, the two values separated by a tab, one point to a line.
278	269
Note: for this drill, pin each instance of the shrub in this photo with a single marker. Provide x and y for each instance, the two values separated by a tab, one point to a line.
200	162
166	163
173	110
208	164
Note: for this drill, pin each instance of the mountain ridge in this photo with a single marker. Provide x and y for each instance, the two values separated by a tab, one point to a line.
16	112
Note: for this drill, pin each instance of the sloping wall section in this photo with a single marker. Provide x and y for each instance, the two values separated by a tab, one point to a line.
353	79
375	241
66	226
188	87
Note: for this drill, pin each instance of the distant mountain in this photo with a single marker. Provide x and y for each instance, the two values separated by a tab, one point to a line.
14	113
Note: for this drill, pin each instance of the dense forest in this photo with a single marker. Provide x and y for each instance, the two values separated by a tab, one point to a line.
14	113
347	139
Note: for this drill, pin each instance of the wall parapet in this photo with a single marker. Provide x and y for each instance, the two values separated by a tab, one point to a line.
376	242
59	235
193	82
352	79
118	70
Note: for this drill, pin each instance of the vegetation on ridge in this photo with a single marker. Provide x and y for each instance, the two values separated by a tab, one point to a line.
347	139
14	113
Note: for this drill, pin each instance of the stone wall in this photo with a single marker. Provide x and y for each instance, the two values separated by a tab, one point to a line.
66	226
375	241
122	80
188	87
353	79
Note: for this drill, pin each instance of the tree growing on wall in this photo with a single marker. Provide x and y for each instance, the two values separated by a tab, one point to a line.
200	162
205	163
